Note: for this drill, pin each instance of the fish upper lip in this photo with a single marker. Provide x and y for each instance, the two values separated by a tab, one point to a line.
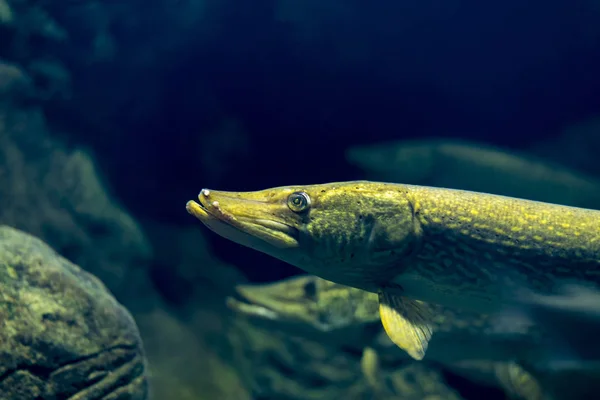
240	297
249	307
201	200
267	223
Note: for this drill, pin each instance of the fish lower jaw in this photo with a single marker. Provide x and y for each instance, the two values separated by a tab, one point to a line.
253	310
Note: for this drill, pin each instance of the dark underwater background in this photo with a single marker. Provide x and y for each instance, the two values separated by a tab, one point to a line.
167	97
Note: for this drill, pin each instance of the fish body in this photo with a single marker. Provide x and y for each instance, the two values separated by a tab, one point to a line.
413	244
488	248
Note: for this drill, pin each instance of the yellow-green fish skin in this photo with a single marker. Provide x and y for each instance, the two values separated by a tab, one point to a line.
490	246
451	247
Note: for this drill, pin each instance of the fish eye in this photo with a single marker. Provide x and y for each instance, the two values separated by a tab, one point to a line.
310	290
298	202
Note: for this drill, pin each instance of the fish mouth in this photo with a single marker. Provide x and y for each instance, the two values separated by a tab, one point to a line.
244	305
204	210
243	220
256	302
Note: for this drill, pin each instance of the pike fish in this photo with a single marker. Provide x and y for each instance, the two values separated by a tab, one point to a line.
479	347
414	245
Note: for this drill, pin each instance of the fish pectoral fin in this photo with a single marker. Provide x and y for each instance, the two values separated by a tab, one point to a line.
407	322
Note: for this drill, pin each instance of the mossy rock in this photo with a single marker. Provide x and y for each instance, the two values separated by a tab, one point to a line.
62	334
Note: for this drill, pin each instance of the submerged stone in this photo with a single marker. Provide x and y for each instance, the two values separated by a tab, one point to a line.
63	335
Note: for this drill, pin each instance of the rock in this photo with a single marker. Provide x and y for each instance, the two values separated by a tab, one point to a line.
62	335
56	194
15	85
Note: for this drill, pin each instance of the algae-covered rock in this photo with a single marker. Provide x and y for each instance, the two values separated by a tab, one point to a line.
57	194
62	335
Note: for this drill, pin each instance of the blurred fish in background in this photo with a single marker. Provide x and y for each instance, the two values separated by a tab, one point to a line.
467	344
573	316
467	165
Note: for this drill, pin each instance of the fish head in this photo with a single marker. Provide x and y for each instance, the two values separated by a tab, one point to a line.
290	300
348	232
307	300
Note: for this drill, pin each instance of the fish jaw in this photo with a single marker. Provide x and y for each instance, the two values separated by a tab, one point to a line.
249	301
253	310
287	299
294	300
246	220
309	301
